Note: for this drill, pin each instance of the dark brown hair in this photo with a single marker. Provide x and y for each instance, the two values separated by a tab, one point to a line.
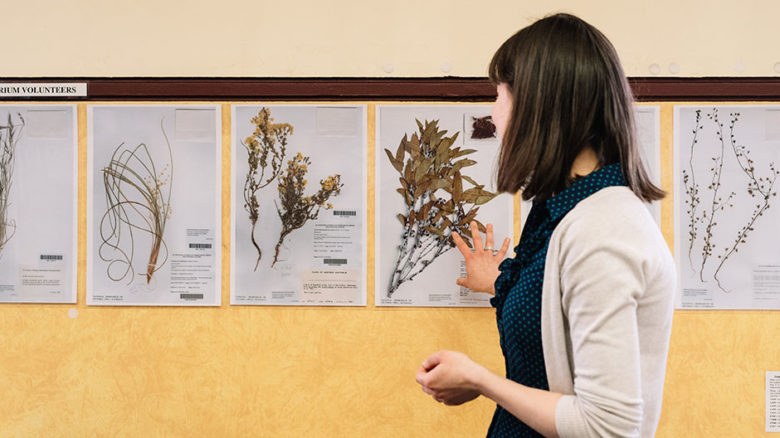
568	92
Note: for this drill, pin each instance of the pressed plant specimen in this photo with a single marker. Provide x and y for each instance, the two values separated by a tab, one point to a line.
266	148
294	208
717	204
761	189
692	191
435	202
483	127
138	200
9	137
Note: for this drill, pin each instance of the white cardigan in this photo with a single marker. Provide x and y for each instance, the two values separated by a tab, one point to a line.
607	305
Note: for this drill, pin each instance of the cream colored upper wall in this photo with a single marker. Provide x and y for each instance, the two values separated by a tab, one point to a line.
363	37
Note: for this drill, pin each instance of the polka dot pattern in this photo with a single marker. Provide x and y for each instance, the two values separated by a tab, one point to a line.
518	299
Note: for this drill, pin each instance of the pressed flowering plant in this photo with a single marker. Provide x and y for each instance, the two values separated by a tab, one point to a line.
266	148
10	133
294	208
436	204
759	188
138	200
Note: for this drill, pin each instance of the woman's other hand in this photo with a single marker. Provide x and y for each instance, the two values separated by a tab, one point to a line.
482	262
450	377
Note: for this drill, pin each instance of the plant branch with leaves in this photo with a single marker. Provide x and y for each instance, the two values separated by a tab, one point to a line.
436	204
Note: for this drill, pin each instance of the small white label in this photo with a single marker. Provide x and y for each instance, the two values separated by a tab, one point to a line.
195	125
773	401
772	131
49	123
42	89
329	286
338	121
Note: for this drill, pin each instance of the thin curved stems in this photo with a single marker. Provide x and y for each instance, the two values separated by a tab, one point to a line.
9	137
138	199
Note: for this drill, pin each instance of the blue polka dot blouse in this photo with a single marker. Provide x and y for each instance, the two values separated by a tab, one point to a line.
519	293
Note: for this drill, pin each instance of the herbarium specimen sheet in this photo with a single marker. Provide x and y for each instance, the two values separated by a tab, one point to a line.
434	176
154	205
38	186
727	161
299	205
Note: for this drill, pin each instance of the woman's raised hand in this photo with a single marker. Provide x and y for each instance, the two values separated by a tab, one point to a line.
481	262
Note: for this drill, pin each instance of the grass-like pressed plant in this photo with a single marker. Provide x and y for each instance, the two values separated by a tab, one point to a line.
9	137
294	208
138	200
266	148
435	201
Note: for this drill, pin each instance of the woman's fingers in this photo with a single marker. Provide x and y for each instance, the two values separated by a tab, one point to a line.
489	236
476	238
462	247
504	248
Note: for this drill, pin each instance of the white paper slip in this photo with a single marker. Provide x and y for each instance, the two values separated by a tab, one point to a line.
773	401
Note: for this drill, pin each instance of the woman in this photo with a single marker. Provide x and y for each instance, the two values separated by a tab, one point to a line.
584	310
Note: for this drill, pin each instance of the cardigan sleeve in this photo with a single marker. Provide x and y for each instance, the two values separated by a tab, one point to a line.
603	267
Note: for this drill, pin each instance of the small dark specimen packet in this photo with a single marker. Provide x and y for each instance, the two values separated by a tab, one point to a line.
483	127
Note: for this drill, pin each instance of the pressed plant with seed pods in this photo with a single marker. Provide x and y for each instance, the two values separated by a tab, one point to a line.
436	204
10	133
138	201
759	188
266	149
294	208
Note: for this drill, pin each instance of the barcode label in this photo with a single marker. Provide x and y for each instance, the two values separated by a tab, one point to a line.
50	257
200	245
191	297
344	213
335	261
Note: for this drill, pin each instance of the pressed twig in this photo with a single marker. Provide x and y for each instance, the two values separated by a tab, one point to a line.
436	204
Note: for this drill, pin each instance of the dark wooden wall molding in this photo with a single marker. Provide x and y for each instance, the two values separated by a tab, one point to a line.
418	89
